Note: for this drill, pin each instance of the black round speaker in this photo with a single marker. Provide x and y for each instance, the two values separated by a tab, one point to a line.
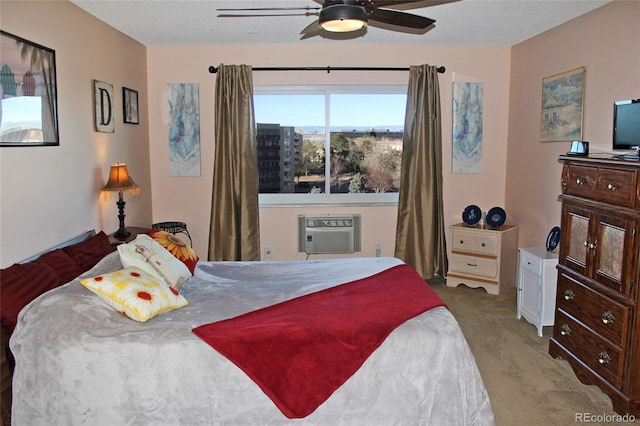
471	215
496	216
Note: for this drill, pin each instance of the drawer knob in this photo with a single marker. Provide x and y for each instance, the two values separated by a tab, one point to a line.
461	241
565	330
569	294
580	181
608	318
612	187
604	358
472	264
484	244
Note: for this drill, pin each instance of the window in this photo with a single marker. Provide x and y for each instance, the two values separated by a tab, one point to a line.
329	144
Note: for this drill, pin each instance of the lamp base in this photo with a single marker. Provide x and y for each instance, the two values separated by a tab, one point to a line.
122	233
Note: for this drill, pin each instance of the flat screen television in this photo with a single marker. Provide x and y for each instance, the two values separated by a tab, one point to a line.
626	125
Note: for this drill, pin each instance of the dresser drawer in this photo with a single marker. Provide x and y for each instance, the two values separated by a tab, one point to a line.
597	353
602	184
616	187
531	262
473	265
582	181
467	242
603	315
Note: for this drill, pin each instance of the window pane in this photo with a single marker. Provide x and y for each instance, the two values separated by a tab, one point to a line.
290	134
366	142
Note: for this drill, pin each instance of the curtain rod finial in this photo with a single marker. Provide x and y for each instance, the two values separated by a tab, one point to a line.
213	69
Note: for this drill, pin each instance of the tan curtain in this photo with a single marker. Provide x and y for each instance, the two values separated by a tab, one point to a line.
235	229
420	232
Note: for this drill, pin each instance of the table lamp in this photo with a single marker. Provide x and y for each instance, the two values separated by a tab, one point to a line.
120	181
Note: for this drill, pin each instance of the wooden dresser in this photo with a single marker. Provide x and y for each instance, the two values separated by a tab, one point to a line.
597	324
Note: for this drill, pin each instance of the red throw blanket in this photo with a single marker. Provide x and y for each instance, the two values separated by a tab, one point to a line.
300	351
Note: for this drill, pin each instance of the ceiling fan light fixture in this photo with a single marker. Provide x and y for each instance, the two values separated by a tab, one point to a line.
342	18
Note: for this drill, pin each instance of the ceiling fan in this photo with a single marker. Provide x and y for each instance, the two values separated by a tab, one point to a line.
345	16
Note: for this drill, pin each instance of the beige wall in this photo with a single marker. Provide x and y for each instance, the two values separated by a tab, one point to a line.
188	199
606	42
50	194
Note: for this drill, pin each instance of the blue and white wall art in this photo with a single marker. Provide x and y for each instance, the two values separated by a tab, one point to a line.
184	129
467	127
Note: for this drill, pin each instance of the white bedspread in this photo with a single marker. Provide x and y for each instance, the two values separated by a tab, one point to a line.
79	362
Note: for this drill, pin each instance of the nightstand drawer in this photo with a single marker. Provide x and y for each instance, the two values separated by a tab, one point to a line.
472	265
486	244
467	242
530	262
461	240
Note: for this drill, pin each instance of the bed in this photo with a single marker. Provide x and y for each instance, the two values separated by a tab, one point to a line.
78	361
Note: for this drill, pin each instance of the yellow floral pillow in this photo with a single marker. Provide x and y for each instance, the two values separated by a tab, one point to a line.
135	293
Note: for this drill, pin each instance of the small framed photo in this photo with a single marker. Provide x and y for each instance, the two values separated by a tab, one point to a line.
130	106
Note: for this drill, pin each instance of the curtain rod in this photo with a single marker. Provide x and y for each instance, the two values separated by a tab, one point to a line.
328	69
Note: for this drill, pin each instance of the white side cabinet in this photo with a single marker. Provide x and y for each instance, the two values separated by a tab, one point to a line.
537	286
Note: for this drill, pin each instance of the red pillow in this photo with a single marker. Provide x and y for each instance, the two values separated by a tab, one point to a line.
176	247
62	264
19	285
89	252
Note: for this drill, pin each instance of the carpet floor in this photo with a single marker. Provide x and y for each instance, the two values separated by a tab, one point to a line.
525	384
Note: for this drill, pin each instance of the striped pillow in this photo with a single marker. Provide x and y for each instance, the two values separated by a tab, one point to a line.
62	264
89	252
19	285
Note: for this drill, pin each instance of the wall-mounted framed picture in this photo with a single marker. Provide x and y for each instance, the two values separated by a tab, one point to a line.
103	101
130	106
29	94
562	106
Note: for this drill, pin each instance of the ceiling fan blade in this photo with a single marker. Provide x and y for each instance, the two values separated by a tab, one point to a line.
312	27
406	4
255	9
263	15
400	19
311	30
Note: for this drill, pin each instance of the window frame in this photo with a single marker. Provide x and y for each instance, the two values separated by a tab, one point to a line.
368	199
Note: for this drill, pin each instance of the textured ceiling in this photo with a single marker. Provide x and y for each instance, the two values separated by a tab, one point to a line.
464	22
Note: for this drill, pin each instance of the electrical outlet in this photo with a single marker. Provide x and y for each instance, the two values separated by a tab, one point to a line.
267	252
378	250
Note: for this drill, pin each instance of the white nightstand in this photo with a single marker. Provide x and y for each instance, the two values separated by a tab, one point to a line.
537	286
482	256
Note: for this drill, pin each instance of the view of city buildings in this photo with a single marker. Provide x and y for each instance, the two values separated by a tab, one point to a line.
294	160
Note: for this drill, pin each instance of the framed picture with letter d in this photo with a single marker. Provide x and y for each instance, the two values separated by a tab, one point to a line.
103	95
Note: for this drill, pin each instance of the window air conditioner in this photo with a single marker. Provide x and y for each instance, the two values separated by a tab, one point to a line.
333	233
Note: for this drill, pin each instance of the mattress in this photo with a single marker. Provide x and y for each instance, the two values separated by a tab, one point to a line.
80	362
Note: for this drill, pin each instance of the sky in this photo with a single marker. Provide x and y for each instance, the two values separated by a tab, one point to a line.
349	110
